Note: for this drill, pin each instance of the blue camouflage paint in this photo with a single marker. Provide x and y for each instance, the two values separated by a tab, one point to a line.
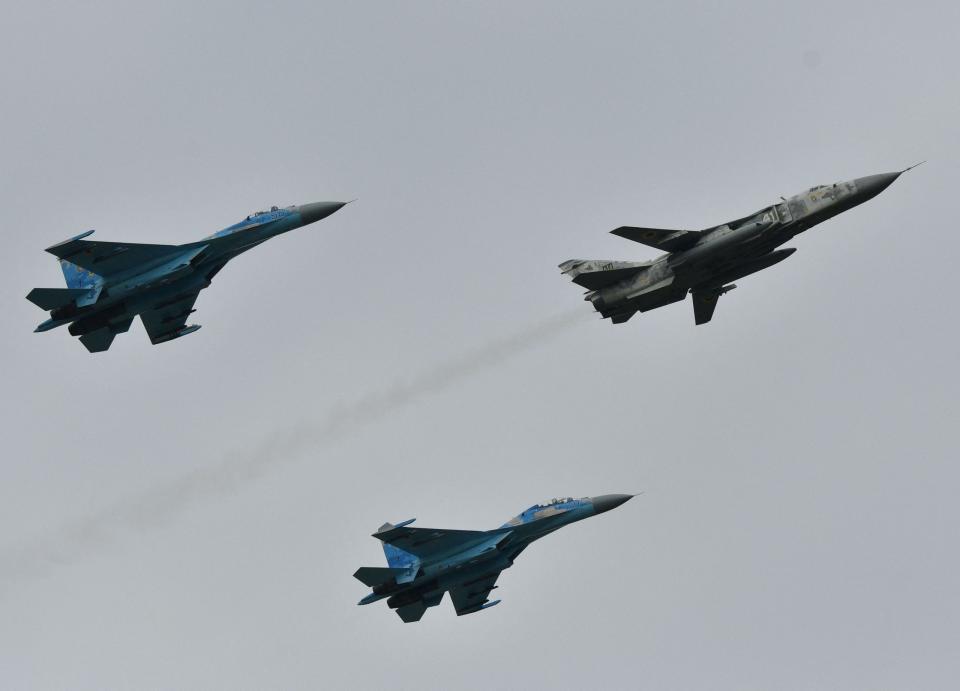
531	514
258	219
160	283
428	562
77	277
398	559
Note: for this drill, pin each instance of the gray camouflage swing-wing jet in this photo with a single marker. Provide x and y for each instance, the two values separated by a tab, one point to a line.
109	283
702	263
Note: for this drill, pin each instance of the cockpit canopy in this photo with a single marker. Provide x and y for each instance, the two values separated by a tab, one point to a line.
548	504
271	210
563	500
533	512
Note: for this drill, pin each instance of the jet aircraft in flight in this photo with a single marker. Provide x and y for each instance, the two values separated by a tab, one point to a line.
424	563
704	262
109	283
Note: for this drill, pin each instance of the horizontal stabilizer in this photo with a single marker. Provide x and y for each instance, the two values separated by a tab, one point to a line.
661	238
595	274
52	298
373	576
412	613
99	340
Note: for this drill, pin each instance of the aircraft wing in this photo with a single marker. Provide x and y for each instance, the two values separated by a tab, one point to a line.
472	596
426	543
107	258
167	319
661	238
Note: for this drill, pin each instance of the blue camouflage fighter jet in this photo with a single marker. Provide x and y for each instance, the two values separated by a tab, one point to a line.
109	283
424	563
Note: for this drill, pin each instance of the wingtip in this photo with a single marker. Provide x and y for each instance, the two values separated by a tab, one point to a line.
81	236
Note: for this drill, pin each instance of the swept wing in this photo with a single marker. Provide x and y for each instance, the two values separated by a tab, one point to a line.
167	320
473	595
663	239
109	258
427	543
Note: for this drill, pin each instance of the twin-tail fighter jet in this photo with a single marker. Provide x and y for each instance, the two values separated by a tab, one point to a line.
109	283
704	262
425	563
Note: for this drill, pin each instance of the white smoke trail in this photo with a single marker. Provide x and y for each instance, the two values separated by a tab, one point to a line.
110	526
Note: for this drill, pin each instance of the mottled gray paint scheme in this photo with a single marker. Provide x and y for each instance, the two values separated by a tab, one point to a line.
702	263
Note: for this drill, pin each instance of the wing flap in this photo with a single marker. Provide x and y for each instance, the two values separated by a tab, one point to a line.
661	238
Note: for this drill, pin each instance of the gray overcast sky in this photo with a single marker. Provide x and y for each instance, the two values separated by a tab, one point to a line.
188	516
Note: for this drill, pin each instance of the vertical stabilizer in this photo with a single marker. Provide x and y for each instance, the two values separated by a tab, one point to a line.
396	557
77	277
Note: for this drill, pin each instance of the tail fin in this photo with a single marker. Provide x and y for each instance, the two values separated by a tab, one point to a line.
77	277
73	274
396	557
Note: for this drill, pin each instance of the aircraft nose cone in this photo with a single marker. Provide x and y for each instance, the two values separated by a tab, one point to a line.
872	185
605	502
309	213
